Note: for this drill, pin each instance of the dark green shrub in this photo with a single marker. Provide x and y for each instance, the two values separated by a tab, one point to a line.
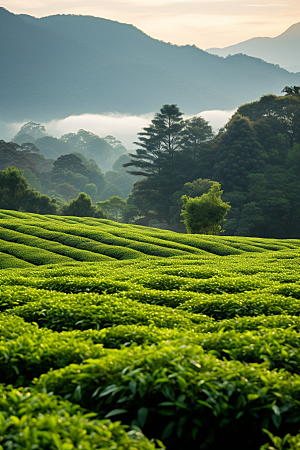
255	303
31	420
31	355
201	400
84	311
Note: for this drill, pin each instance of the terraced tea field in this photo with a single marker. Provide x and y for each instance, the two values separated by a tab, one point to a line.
112	332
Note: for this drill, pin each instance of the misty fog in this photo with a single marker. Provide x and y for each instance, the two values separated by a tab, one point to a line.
123	127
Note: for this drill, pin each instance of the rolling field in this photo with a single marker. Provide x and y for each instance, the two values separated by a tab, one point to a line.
112	332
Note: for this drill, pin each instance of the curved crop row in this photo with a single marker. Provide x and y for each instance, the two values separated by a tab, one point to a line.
30	254
10	261
54	247
84	311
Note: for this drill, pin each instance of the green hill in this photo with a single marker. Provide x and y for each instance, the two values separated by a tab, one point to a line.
68	239
190	339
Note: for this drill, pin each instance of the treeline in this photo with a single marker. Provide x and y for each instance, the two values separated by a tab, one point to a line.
62	168
255	157
104	151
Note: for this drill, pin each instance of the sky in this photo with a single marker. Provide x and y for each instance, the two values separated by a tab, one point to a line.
204	23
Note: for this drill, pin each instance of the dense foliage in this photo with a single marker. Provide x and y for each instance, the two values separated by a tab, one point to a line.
255	158
77	162
192	340
204	214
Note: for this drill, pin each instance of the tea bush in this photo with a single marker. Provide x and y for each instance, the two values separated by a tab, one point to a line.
168	298
288	289
10	261
30	254
32	354
96	312
197	398
192	339
255	303
252	323
55	247
110	239
30	420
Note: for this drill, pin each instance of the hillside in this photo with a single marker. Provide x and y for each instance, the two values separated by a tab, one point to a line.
63	240
282	50
61	65
190	339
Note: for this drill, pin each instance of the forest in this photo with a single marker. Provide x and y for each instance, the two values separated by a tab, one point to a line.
255	157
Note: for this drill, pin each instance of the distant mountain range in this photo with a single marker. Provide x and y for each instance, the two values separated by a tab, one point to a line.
283	49
65	64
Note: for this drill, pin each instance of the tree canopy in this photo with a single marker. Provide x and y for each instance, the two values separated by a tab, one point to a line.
82	206
204	214
16	194
113	207
166	153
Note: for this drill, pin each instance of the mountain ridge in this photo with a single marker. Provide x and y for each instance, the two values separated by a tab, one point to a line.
64	65
282	49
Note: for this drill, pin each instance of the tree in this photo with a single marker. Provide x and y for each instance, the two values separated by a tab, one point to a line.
16	194
114	207
197	131
194	189
158	159
111	190
52	147
291	90
285	109
204	214
237	153
12	155
129	213
37	203
91	189
32	179
94	147
70	163
71	170
13	188
67	190
81	206
252	220
158	143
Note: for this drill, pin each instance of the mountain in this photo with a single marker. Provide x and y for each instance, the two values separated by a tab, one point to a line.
282	50
65	64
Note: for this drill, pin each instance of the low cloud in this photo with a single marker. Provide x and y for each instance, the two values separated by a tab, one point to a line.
9	130
216	118
124	128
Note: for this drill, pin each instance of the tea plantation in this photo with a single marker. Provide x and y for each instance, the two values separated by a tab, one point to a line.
116	336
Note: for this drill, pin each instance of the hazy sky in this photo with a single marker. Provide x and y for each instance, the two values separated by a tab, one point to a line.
205	23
